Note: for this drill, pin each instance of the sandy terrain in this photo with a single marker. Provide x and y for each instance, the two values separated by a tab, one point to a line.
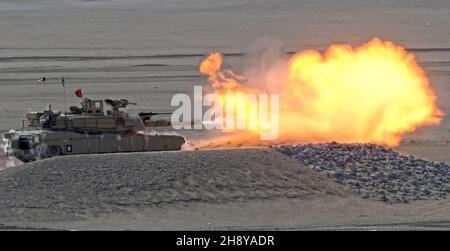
435	151
208	189
147	51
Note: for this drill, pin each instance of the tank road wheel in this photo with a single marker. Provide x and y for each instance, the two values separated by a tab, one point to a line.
54	151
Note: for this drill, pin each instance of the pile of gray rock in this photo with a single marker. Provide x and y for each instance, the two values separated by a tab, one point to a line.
374	171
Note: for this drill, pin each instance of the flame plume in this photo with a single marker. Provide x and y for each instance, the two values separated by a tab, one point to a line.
374	93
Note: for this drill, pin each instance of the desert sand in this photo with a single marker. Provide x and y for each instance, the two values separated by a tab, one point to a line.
149	51
228	189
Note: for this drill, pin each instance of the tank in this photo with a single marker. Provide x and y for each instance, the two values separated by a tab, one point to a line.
85	130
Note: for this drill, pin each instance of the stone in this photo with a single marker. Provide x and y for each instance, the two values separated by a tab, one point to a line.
375	171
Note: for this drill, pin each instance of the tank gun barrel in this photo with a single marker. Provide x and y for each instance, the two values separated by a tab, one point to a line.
142	114
146	116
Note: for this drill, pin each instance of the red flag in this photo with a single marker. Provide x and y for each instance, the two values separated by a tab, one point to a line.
79	93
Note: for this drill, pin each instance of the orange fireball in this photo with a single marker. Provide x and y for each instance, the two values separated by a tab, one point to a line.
374	93
211	65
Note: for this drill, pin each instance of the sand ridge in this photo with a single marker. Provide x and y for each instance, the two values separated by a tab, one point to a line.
223	189
71	187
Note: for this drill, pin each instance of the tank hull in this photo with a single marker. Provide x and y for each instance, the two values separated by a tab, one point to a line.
33	145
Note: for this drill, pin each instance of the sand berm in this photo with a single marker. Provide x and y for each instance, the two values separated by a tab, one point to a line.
252	188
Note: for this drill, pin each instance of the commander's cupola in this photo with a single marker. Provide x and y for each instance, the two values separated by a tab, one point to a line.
93	107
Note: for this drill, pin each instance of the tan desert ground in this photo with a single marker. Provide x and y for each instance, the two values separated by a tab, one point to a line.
149	51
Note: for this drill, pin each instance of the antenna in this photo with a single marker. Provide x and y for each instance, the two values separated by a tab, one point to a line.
65	99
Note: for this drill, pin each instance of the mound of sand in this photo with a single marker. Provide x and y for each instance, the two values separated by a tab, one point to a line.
193	190
74	186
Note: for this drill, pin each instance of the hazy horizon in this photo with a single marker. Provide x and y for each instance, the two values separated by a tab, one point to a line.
149	50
